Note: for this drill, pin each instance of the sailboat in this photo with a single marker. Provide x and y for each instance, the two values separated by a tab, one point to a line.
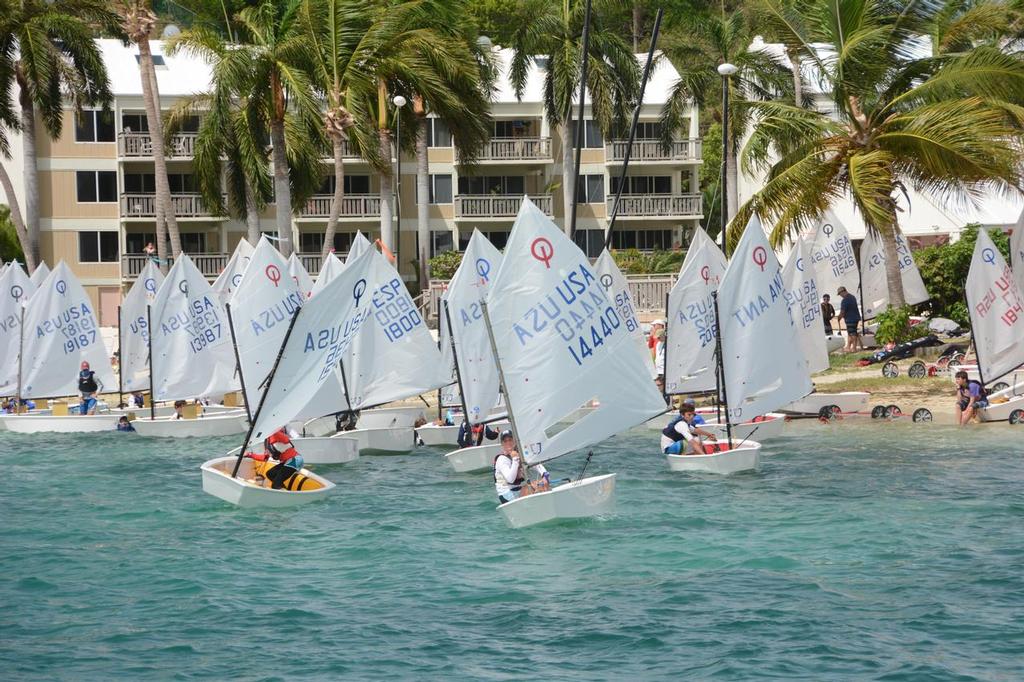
318	335
231	276
996	306
299	275
190	355
15	289
559	344
749	309
617	288
58	330
40	274
465	343
875	287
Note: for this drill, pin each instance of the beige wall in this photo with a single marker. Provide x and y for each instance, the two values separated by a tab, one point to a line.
63	245
58	199
66	147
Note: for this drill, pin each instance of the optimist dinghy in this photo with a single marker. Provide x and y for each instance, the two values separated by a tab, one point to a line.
547	371
250	488
327	450
228	424
719	458
31	423
761	428
386	441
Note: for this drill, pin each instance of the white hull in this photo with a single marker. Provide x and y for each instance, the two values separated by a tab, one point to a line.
770	427
834	342
1000	412
747	457
217	481
169	427
588	497
327	450
848	402
143	412
389	417
448	435
30	423
471	460
398	441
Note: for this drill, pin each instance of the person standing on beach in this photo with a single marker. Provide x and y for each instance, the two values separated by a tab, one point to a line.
88	386
850	312
828	313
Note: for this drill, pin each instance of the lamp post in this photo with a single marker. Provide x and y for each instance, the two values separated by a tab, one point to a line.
399	102
726	71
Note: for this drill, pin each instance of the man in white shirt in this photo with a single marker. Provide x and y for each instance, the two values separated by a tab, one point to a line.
510	475
681	431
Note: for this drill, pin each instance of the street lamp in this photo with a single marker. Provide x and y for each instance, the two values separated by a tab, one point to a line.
726	71
399	102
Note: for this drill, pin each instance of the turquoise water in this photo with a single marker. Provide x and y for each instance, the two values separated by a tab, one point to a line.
860	551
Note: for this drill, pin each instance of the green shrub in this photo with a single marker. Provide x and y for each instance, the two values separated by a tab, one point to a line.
444	265
635	262
894	326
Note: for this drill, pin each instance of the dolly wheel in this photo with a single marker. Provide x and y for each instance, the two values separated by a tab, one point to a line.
922	414
917	370
890	370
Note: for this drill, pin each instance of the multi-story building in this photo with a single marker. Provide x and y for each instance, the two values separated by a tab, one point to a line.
96	182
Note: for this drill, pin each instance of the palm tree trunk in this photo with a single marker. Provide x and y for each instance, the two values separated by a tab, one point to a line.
28	139
282	190
252	216
423	202
165	218
567	174
637	18
897	299
798	83
19	224
387	236
339	195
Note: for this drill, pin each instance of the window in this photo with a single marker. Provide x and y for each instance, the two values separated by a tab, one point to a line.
592	138
517	128
590	189
158	60
134	123
96	186
649	130
644	184
190	124
97	247
591	241
353	184
135	242
139	183
492	184
193	242
498	238
441	189
182	183
645	240
94	126
440	135
313	242
440	242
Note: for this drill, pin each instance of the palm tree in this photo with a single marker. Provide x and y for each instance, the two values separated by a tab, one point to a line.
696	46
946	125
47	49
552	30
138	22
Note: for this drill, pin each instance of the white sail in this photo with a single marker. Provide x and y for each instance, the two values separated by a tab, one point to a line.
61	331
41	272
299	275
690	318
804	302
229	278
876	287
468	288
996	305
360	245
764	368
321	336
134	342
15	289
835	262
1017	252
192	353
617	288
562	344
331	268
261	310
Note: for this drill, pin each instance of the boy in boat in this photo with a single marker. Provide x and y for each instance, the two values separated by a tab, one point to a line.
682	431
510	475
970	398
279	447
88	386
138	400
474	435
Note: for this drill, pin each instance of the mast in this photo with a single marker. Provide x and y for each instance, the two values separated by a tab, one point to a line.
720	369
501	379
238	362
263	396
664	355
455	358
120	361
149	340
21	349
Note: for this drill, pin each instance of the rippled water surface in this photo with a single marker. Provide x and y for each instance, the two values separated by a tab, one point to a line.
860	551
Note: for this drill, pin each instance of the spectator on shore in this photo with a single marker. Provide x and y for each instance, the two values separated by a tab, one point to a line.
850	312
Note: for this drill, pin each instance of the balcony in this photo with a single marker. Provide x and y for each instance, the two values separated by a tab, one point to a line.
352	206
504	149
653	151
658	206
210	264
496	205
135	145
144	206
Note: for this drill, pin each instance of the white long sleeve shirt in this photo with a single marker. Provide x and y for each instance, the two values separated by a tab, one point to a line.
506	470
683	429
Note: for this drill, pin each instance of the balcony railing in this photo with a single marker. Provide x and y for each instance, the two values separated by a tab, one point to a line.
210	264
517	149
496	205
352	206
654	150
658	205
144	206
182	145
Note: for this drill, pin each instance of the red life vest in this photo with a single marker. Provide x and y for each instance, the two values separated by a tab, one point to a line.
280	447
